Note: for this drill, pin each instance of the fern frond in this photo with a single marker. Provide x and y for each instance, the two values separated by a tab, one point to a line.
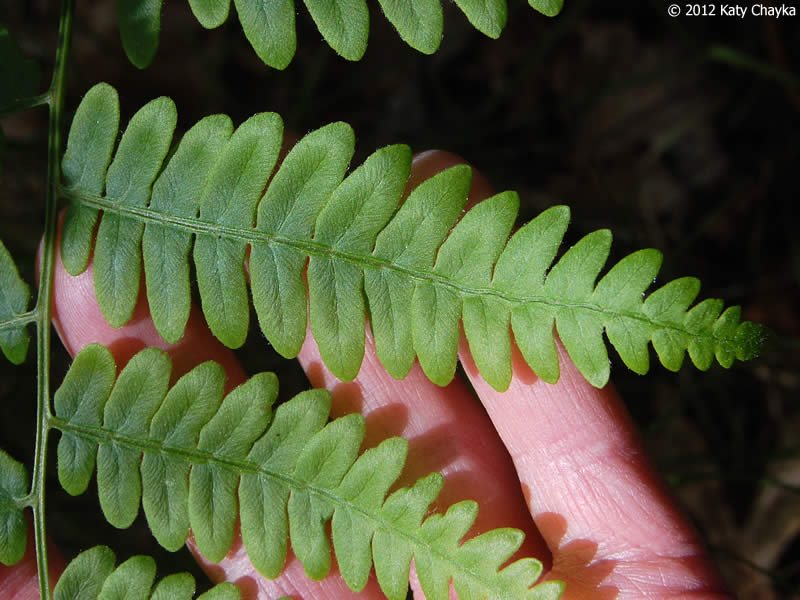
14	484
93	575
19	76
15	295
413	266
269	25
196	460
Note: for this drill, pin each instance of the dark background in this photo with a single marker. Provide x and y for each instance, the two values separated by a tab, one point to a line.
676	133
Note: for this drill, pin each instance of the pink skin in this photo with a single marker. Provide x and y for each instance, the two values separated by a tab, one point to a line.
561	462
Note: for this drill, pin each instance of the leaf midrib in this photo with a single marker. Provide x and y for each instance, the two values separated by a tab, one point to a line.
196	456
312	248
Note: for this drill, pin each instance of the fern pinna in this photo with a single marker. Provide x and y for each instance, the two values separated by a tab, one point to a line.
92	575
196	460
413	265
269	25
15	296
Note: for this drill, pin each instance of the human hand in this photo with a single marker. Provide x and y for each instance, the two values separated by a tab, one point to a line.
562	462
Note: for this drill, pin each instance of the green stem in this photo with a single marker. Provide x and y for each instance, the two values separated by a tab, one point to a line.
25	103
55	96
21	320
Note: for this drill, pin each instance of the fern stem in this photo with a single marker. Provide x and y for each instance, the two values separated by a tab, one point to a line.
21	320
55	97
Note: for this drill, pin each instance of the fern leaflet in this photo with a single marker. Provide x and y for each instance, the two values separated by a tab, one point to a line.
413	266
92	575
14	298
13	527
193	457
269	25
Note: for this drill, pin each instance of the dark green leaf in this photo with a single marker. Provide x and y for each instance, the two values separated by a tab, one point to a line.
139	25
19	76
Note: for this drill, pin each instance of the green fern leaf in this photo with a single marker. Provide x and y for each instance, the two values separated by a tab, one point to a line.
117	253
165	250
139	26
89	149
92	576
416	267
14	298
487	16
269	25
344	24
419	23
308	176
230	197
13	527
551	8
19	76
211	13
285	474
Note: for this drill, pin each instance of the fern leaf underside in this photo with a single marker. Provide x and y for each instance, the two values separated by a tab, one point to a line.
15	296
193	459
269	25
415	266
13	526
93	575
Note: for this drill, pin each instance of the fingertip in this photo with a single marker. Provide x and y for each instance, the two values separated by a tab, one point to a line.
428	163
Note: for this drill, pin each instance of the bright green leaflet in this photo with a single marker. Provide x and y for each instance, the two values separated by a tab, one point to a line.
419	23
15	296
269	25
92	575
285	472
415	267
13	527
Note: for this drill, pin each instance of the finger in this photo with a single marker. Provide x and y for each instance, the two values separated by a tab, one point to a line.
447	429
79	321
21	581
610	523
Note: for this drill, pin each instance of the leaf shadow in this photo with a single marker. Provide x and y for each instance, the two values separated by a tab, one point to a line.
432	450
